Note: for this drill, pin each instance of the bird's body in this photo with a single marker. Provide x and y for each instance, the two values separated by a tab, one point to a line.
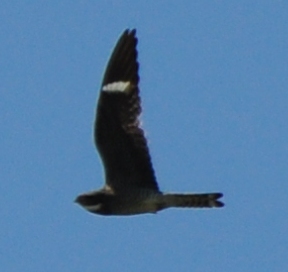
131	186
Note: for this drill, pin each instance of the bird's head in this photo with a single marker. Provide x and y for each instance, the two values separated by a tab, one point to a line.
95	202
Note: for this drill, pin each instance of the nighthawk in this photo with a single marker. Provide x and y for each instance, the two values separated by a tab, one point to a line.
131	187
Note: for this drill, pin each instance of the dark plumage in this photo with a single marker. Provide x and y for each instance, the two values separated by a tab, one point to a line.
131	186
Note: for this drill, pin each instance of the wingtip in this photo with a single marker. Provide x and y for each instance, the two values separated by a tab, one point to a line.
129	31
123	65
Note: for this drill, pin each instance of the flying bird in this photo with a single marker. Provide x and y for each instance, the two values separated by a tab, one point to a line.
131	187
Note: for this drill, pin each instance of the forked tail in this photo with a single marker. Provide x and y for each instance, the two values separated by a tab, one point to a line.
194	200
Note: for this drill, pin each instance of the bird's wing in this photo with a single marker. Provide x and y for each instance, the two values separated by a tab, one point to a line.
118	136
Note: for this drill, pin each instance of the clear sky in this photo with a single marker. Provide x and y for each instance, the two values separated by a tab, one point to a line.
214	87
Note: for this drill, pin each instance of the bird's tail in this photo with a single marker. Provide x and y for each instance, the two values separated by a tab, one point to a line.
193	200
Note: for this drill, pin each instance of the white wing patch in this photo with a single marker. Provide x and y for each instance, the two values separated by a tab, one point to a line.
119	86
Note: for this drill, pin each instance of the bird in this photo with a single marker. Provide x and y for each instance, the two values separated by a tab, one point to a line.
130	182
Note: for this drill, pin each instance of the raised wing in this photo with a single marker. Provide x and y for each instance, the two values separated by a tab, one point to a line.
118	137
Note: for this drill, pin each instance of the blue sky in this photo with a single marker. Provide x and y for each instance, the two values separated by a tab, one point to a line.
213	83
